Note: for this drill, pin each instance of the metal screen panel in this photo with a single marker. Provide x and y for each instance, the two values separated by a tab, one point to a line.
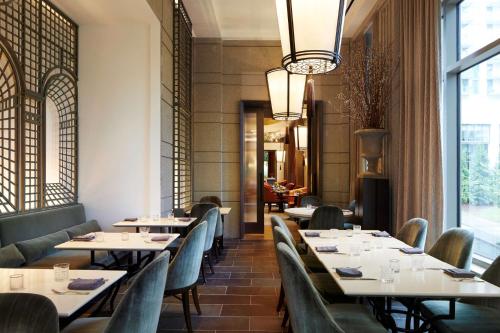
182	107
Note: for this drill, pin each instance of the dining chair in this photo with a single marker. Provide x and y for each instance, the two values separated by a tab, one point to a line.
308	313
326	218
140	308
312	263
179	212
454	247
471	314
219	230
212	217
414	232
199	210
323	282
310	200
27	313
184	270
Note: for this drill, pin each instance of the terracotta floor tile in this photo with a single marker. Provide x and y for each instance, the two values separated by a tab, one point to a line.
212	290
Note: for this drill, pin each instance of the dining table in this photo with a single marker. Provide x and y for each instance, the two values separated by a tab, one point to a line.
69	304
113	242
369	254
307	213
162	223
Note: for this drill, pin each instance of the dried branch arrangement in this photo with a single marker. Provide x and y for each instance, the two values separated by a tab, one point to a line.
368	74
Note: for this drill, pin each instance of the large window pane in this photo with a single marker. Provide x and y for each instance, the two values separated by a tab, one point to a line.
480	155
479	24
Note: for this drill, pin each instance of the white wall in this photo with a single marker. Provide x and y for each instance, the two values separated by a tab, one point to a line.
119	120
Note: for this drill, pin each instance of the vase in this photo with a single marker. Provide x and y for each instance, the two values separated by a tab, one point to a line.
371	149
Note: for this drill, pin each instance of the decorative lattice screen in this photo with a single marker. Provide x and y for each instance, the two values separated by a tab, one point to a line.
182	107
38	60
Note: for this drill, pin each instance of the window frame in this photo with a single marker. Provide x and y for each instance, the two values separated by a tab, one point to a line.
452	67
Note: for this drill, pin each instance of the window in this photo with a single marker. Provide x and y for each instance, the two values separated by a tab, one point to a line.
472	147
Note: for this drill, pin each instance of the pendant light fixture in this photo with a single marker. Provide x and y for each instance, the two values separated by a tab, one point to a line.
311	33
286	92
300	132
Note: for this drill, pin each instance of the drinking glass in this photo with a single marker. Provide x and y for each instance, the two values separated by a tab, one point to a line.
394	263
155	217
366	245
356	229
61	272
309	206
170	214
16	281
144	231
386	274
348	233
99	236
125	236
355	250
417	262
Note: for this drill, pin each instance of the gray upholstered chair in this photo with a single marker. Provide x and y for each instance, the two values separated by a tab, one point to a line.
414	232
308	313
185	269
323	282
199	210
212	217
326	218
219	230
311	261
27	313
140	308
310	200
179	212
212	199
454	247
471	314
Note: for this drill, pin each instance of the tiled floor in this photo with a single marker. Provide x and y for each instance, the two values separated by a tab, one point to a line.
240	297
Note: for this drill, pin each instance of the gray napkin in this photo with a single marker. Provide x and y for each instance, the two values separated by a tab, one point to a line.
84	238
381	234
459	273
327	249
85	284
349	272
411	250
311	234
160	238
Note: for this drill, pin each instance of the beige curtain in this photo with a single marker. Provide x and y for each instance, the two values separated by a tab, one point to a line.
418	178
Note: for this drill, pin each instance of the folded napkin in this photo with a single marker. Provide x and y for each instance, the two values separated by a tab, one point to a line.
85	284
381	234
349	272
311	234
130	219
84	238
183	219
411	250
327	249
160	238
459	273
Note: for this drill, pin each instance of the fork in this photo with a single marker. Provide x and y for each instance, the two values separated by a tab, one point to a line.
69	292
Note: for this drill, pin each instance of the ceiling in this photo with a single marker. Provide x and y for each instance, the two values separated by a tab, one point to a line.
256	19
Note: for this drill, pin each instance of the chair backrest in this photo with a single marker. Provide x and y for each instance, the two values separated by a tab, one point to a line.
327	217
352	206
492	275
280	236
219	228
211	199
212	216
27	313
179	212
199	210
277	221
185	267
140	308
414	232
308	314
454	247
310	200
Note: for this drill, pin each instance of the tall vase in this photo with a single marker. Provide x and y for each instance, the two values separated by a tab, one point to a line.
371	149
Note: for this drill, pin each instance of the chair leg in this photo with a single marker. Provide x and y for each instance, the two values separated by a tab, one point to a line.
187	313
285	317
209	259
281	299
202	269
196	301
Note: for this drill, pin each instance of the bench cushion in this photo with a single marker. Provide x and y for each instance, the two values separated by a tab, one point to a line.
83	229
22	227
468	317
10	257
37	248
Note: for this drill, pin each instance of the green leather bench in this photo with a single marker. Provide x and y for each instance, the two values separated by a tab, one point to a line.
29	239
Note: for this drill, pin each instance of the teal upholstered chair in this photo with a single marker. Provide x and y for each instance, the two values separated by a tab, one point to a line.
414	232
326	218
185	269
199	210
219	230
323	282
454	247
312	263
308	313
471	314
212	217
140	308
27	313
